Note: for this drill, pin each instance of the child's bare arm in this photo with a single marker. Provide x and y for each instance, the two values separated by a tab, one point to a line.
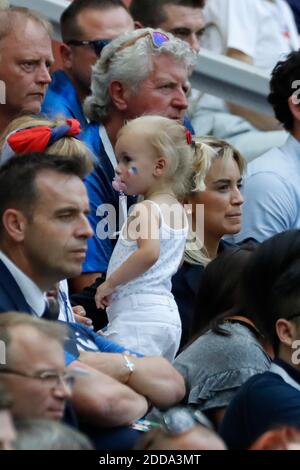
146	219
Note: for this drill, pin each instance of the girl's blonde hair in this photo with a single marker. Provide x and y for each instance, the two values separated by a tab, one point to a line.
169	140
207	149
64	146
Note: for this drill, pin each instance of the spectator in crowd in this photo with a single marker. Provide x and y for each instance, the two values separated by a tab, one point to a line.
218	169
26	57
141	310
7	429
227	348
142	72
272	198
283	438
181	429
34	373
270	291
256	32
209	116
43	434
53	189
183	18
86	27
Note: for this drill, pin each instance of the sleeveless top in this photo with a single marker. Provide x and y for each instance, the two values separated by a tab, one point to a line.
157	279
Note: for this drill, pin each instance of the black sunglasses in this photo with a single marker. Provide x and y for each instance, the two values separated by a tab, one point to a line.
97	44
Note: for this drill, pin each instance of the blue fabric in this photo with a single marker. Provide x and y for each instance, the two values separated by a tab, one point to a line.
100	191
61	99
265	401
188	125
83	334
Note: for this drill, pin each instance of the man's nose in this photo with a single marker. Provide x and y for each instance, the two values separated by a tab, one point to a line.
43	74
180	100
85	230
63	389
194	42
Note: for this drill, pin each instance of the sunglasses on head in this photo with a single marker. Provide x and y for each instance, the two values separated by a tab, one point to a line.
97	44
156	37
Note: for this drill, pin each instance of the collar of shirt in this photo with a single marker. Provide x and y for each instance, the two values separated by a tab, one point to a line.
292	148
107	146
33	295
288	373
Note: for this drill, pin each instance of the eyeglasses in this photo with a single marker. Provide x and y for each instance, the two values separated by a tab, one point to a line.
49	378
97	44
156	37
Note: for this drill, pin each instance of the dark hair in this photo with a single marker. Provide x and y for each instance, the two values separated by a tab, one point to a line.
150	13
218	295
283	75
270	284
5	399
18	175
68	20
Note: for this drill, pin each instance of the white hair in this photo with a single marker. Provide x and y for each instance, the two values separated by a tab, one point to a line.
128	59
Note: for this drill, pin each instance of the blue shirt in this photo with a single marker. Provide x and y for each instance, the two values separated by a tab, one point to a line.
100	191
263	402
271	193
62	100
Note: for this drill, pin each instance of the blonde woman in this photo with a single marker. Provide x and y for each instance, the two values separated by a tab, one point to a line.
215	201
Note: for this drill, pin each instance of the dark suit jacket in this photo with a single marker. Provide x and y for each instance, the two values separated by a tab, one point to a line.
11	297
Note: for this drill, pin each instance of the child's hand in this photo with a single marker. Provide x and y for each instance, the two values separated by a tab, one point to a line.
102	297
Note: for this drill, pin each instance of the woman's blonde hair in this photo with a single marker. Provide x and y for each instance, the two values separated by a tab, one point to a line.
64	146
207	149
168	138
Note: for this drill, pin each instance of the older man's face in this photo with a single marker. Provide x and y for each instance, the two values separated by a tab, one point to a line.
31	355
163	92
25	59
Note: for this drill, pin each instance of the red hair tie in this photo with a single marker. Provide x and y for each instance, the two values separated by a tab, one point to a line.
189	137
37	139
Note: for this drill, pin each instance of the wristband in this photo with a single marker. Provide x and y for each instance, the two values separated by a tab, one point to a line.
129	364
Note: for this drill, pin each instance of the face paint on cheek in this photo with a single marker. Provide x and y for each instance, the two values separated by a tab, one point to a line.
133	170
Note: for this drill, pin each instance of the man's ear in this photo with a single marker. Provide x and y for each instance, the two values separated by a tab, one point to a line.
66	55
15	224
285	331
118	94
294	105
160	166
